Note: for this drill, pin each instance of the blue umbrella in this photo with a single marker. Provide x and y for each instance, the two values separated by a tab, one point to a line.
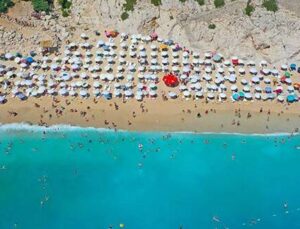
293	67
290	98
217	58
268	90
29	60
236	96
241	94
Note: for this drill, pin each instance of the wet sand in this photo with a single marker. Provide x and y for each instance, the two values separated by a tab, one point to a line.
155	115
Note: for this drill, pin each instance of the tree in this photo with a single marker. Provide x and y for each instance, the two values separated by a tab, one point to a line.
270	5
4	5
41	5
219	3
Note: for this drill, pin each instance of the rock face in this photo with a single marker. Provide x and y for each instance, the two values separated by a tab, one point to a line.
264	35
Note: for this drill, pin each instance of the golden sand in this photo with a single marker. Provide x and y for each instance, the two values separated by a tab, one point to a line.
156	115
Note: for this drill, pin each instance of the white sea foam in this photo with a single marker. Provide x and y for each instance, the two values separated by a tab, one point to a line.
64	127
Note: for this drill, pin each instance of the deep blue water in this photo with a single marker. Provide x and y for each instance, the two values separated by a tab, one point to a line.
94	179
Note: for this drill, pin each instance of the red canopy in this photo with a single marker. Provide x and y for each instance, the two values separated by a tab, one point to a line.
171	80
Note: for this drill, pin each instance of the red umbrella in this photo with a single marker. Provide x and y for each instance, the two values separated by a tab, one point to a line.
171	80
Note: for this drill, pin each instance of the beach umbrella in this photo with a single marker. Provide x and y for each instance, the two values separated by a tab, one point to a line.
117	93
244	81
222	96
210	95
275	72
284	67
186	93
257	96
153	93
290	89
199	94
231	70
227	63
217	58
8	56
128	93
267	80
171	80
258	89
263	63
120	68
83	93
255	79
268	90
241	70
248	96
186	69
63	92
253	71
207	62
207	55
234	88
232	78
208	70
2	99
235	96
290	98
96	84
266	71
172	95
246	89
280	98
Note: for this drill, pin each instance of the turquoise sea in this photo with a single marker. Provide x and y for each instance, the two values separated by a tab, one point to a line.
88	178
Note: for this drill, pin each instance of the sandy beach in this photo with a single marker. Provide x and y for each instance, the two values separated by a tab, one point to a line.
156	115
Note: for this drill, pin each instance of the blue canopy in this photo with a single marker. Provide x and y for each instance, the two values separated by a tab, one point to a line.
236	96
268	90
29	60
293	67
169	42
217	58
290	98
21	96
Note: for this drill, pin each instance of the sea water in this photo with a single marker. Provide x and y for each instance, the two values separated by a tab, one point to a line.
85	178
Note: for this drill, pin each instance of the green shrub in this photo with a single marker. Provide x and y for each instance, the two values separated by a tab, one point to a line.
65	13
124	16
129	5
65	4
182	0
200	2
249	8
4	5
270	5
41	5
211	26
156	2
219	3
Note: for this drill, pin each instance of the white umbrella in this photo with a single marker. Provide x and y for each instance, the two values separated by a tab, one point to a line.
255	79
199	94
63	91
186	93
96	84
234	88
210	95
172	94
284	67
222	96
83	93
253	71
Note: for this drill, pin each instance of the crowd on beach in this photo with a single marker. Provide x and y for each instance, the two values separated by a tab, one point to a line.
141	67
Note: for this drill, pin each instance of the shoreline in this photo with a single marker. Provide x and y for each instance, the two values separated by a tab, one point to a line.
66	127
156	116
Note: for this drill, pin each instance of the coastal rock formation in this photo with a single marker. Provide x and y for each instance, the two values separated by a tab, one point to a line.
264	35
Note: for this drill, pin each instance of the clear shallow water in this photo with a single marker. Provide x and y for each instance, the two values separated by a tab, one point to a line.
93	179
